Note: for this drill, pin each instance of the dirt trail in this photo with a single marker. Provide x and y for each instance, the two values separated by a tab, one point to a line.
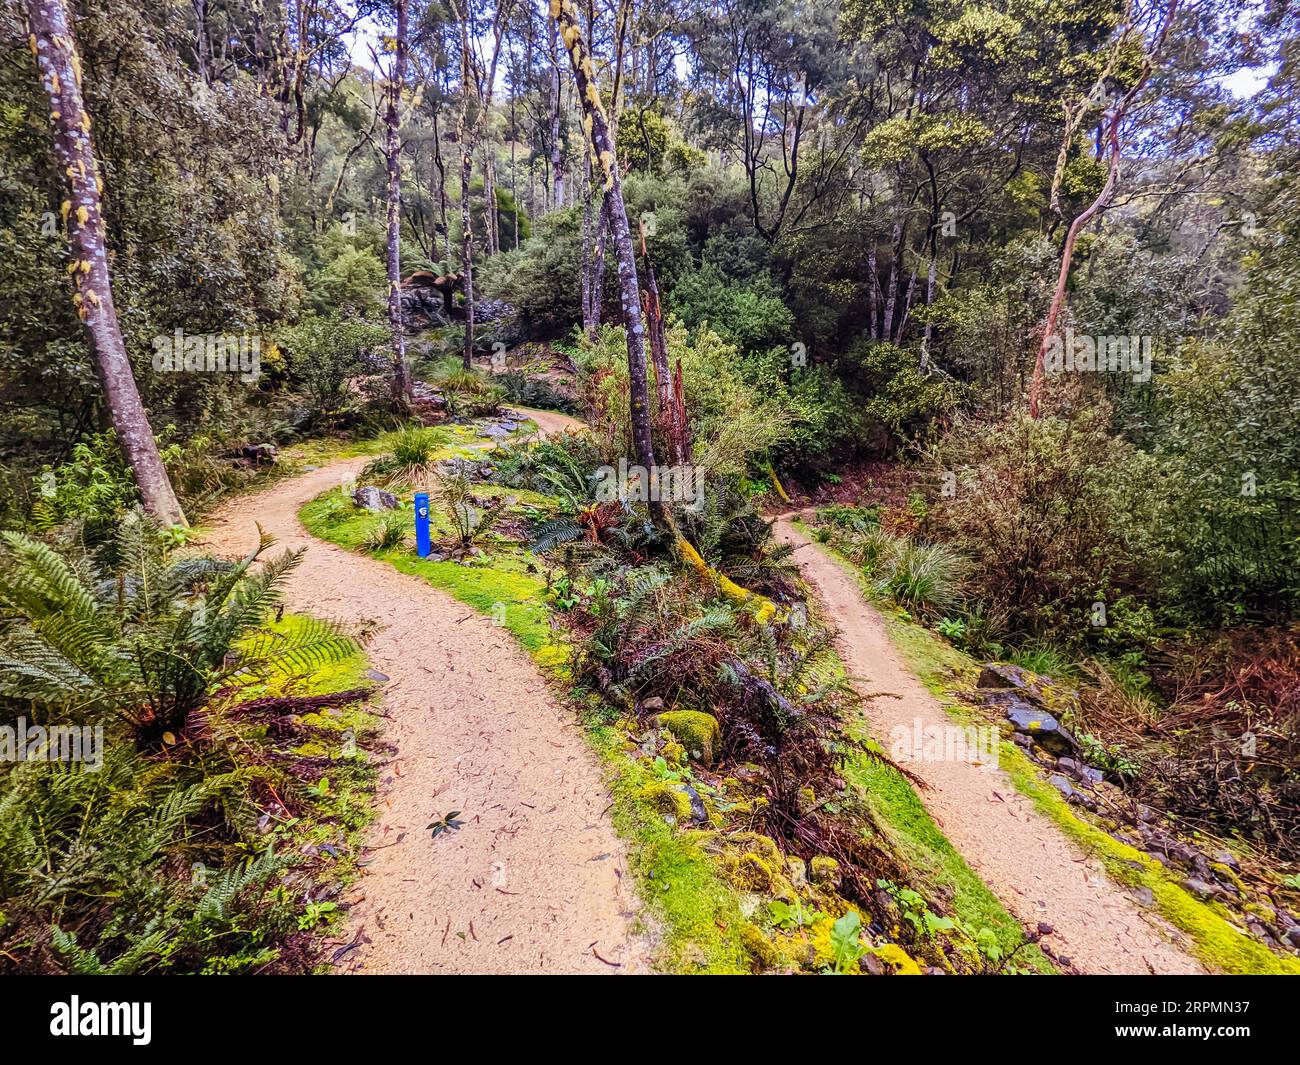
1039	875
534	880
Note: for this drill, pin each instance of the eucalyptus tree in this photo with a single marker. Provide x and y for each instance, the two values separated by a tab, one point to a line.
54	48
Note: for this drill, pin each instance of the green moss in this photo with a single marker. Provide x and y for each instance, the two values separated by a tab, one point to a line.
669	799
698	732
759	947
694	917
941	667
824	872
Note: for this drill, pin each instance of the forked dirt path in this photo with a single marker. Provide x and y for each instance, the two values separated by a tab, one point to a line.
1039	875
533	882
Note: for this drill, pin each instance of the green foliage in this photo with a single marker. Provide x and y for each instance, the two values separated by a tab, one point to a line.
1055	515
749	314
325	354
351	284
94	487
147	642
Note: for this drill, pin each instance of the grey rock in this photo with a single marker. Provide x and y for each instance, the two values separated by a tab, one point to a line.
1092	776
699	815
1069	766
1042	726
1226	857
1061	784
1200	888
1000	675
372	498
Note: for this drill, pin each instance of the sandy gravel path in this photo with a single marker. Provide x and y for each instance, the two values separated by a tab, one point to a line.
1038	873
534	882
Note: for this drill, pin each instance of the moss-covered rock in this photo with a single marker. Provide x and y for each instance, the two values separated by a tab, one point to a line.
698	732
759	947
824	872
673	803
673	753
750	872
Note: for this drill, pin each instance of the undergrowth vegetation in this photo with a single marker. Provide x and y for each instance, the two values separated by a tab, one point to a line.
219	746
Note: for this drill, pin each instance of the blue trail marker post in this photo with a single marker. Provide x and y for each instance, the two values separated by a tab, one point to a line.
422	543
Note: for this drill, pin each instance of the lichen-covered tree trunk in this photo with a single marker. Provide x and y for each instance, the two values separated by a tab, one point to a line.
467	250
59	67
464	136
605	166
401	385
557	155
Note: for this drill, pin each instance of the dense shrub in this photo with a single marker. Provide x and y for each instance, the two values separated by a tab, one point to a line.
750	314
1056	515
325	354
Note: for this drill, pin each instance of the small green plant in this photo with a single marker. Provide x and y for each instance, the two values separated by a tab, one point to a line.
446	824
953	629
792	916
388	532
471	519
411	455
314	913
846	943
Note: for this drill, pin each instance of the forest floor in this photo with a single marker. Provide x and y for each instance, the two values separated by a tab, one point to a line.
533	881
1039	875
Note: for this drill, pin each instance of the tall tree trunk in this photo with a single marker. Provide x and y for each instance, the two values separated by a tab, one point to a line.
557	156
929	299
891	293
466	177
584	269
602	149
60	71
401	389
1114	118
598	267
873	283
441	167
493	236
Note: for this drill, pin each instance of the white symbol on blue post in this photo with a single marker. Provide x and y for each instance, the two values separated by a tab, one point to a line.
423	545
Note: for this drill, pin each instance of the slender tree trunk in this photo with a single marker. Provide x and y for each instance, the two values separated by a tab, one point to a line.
1114	118
492	235
557	156
873	283
929	299
891	294
467	253
602	148
442	187
465	140
60	72
393	158
584	270
598	268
